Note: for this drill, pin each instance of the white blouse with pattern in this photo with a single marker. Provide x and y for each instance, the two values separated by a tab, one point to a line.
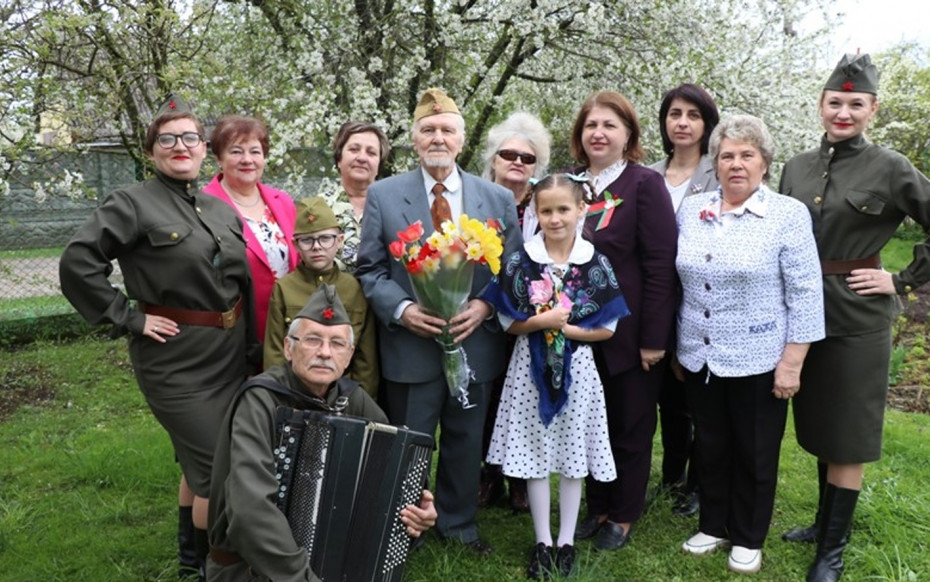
751	282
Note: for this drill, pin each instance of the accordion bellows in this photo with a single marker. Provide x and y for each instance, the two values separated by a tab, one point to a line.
342	483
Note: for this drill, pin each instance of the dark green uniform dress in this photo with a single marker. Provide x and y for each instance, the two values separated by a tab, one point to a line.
176	248
857	193
289	296
244	519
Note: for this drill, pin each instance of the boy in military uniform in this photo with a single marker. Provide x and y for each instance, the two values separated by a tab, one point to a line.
318	239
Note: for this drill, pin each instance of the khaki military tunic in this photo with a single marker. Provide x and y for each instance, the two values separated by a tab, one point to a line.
178	248
289	296
857	193
244	519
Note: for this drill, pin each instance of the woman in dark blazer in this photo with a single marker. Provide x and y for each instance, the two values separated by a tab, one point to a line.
631	221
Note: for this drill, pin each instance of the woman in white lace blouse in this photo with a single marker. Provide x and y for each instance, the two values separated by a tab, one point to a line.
752	304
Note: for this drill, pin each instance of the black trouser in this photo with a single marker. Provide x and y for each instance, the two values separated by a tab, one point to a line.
630	398
677	431
739	425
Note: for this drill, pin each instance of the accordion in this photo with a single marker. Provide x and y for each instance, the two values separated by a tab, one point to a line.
342	483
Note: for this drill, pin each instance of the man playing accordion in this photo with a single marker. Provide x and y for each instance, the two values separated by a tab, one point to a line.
250	537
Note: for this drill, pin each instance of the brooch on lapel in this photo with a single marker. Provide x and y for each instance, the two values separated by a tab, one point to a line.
605	208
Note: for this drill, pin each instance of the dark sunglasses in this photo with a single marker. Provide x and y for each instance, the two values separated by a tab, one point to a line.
512	155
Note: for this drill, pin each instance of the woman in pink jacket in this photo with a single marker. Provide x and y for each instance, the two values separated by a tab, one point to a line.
240	145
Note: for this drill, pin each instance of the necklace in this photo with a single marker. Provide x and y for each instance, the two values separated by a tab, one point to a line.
234	197
252	205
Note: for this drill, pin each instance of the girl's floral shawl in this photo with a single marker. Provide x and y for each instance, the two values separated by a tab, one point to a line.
524	288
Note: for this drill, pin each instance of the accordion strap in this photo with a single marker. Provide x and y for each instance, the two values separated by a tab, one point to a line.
345	386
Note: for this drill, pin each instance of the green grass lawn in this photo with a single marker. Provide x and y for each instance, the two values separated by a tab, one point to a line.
44	253
88	492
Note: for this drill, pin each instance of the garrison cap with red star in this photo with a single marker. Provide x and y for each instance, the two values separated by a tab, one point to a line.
854	73
325	307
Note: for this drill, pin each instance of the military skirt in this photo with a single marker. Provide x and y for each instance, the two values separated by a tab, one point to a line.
840	409
188	383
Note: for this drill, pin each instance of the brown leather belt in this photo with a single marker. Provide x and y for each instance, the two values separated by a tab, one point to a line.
224	558
224	319
846	266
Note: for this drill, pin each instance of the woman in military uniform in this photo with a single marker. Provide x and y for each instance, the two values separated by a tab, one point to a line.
857	193
188	312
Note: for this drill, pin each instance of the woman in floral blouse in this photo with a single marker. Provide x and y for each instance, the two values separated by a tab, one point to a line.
359	151
751	305
240	145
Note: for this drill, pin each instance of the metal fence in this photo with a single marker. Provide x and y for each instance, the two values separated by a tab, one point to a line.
52	197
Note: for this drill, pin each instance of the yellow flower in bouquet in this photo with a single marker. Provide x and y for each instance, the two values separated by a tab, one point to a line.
472	240
441	270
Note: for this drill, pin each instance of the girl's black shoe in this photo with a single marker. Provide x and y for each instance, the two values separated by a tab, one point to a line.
540	562
565	560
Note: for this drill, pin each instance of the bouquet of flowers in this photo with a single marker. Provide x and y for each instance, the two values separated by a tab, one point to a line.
441	270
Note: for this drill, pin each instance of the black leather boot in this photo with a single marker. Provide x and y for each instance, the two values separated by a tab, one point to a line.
836	515
202	545
808	535
187	554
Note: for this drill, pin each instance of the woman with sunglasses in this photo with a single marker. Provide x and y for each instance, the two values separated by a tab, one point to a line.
240	145
517	149
319	239
188	303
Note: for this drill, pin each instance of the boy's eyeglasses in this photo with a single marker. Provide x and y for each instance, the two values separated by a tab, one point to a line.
325	241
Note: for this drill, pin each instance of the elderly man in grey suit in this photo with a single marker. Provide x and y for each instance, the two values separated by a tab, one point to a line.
415	388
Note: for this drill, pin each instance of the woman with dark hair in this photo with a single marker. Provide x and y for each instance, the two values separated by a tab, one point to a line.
631	221
188	301
359	150
858	194
687	117
240	145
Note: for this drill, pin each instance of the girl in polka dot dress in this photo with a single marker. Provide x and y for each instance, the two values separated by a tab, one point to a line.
557	294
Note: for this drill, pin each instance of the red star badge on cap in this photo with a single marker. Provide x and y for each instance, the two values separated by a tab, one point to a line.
328	313
437	107
848	86
172	105
311	218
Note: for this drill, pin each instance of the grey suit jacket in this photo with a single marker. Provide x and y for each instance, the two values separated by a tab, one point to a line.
703	179
392	205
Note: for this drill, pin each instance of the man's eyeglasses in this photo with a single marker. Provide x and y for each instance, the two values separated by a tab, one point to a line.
512	155
326	241
190	139
315	342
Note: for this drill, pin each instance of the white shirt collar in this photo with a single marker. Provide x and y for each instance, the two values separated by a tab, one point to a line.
582	250
757	203
453	181
607	176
